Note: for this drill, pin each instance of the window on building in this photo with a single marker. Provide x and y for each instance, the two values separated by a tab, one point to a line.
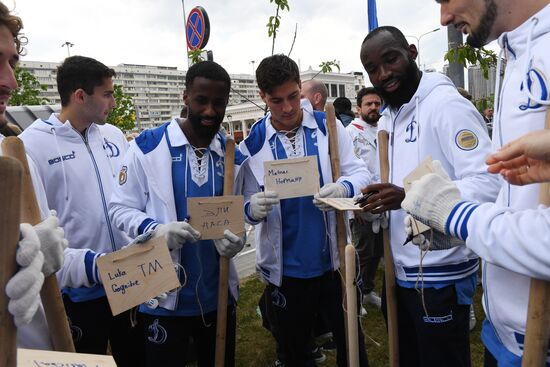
334	90
341	90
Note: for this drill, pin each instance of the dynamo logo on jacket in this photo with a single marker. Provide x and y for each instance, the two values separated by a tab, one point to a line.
536	83
111	149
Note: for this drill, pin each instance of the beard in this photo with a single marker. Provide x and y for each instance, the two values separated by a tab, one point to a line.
202	130
371	118
478	37
407	87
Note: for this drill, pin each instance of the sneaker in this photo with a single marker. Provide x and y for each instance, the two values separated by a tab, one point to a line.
472	318
373	299
363	311
318	355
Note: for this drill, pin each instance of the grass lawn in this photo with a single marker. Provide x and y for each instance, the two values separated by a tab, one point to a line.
256	347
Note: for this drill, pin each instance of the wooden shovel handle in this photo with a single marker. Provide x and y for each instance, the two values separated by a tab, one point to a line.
30	213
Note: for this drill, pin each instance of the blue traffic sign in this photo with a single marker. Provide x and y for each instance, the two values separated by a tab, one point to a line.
197	28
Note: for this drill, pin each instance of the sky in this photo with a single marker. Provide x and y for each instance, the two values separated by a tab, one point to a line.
152	32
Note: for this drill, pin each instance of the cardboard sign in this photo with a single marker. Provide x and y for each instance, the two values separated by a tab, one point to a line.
423	168
213	215
137	273
341	203
292	178
46	358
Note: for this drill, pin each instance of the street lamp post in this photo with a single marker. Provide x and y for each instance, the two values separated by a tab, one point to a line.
68	45
253	70
418	43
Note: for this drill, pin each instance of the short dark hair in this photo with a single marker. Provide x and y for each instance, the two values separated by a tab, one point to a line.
80	72
276	70
395	32
342	104
14	24
364	92
209	70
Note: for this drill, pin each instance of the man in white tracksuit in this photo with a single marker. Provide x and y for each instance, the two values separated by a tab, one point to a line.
296	251
77	157
511	236
426	116
164	167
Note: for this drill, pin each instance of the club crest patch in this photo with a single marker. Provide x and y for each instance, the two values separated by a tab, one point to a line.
122	175
466	140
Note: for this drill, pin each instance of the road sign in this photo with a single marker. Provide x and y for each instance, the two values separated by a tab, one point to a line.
197	28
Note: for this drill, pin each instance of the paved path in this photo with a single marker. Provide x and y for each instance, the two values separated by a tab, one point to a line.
245	261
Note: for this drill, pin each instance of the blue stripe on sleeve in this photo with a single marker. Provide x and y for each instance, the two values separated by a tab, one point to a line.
349	187
146	225
464	230
89	260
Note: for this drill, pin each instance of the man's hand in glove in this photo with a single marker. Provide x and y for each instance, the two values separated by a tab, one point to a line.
330	190
177	233
52	243
261	204
230	245
23	289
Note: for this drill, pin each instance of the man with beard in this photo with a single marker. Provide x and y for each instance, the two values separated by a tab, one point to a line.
165	166
296	248
365	228
426	116
512	235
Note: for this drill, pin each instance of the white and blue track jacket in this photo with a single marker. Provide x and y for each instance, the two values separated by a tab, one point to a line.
269	247
364	137
79	173
144	196
513	236
440	123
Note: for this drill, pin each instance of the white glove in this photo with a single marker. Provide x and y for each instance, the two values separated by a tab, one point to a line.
439	241
52	243
432	198
377	220
330	190
230	245
23	289
177	233
261	204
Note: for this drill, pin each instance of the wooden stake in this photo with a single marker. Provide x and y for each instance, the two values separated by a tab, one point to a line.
537	330
341	236
391	302
221	321
10	192
30	213
351	296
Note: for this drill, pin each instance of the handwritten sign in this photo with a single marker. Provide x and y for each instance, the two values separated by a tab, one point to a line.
292	178
341	203
46	358
423	168
136	274
213	215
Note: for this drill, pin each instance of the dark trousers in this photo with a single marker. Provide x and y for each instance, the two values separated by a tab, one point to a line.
370	247
294	306
93	325
167	339
442	338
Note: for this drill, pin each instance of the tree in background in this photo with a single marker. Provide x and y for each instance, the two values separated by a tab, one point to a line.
123	115
28	90
466	54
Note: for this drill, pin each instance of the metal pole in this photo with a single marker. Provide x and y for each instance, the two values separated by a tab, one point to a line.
185	32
